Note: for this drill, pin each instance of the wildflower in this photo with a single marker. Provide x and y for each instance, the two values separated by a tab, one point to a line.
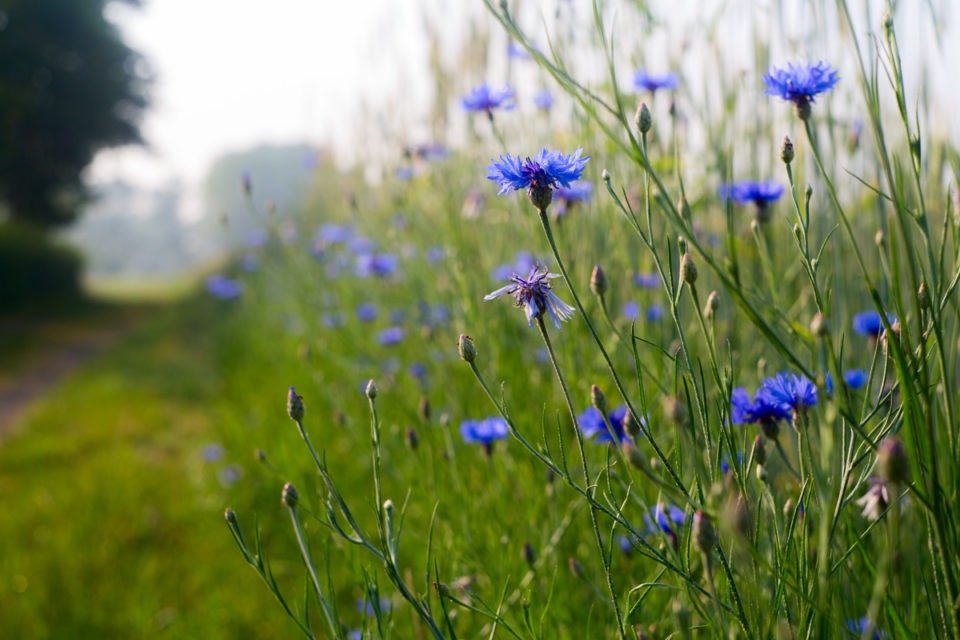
328	234
534	294
759	193
762	411
654	312
523	262
643	81
380	264
666	516
289	496
223	287
212	452
646	280
539	176
366	312
568	197
516	51
391	336
404	174
361	246
368	606
249	262
468	352
800	84
431	151
792	392
876	499
435	254
862	625
869	323
892	461
484	432
631	310
593	426
543	99
256	237
854	378
642	118
333	320
483	98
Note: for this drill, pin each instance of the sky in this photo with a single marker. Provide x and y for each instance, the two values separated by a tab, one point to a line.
230	74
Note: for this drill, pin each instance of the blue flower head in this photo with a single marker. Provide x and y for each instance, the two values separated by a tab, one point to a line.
643	81
223	287
484	432
792	392
861	625
646	280
483	98
534	294
762	411
854	378
593	426
540	175
366	312
543	99
631	310
869	323
654	312
666	517
581	191
800	84
514	50
759	193
391	336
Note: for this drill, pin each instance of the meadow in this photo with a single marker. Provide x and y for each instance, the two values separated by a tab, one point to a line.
730	411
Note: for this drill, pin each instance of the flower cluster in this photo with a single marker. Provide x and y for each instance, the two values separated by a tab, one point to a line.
534	294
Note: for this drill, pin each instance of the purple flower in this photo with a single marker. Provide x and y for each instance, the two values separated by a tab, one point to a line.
485	431
631	310
534	294
666	516
223	287
435	254
516	51
431	152
418	370
334	234
391	335
248	262
643	81
869	323
801	83
404	174
860	626
647	280
543	99
854	378
654	312
381	264
759	193
366	312
333	320
368	606
548	170
212	452
483	98
578	192
256	237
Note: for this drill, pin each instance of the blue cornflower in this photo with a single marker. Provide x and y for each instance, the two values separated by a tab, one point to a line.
861	625
404	173
484	432
543	99
759	193
581	191
223	287
516	51
430	151
256	237
333	320
483	98
666	517
761	411
435	254
418	370
789	390
869	323
630	310
593	426
654	312
380	264
646	280
854	378
539	176
800	84
334	233
367	606
643	81
366	312
249	262
391	335
534	294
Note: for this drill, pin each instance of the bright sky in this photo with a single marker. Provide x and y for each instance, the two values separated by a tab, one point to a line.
234	73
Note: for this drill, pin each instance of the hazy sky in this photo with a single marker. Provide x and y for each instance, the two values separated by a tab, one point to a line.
233	73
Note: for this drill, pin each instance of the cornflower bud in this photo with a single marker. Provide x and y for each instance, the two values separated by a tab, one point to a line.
786	150
892	461
372	389
759	450
598	281
643	120
231	517
688	270
289	497
529	555
412	439
468	352
923	297
294	405
605	175
684	208
425	409
633	454
682	244
761	473
713	302
631	424
879	238
676	411
704	536
598	400
576	568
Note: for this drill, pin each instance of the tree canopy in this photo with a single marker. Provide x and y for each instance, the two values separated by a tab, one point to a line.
69	87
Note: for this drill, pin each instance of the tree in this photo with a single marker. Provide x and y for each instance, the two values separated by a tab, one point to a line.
69	87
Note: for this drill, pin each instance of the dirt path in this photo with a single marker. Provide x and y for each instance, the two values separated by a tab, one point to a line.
60	349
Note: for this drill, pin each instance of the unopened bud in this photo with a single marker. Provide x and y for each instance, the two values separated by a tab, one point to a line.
682	244
529	554
879	238
605	175
887	23
684	208
598	281
713	302
371	389
759	450
643	120
818	325
761	473
923	297
598	400
631	424
676	411
576	568
786	150
424	409
289	497
704	537
261	456
788	508
468	352
442	590
633	454
412	439
231	517
688	270
892	461
294	405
